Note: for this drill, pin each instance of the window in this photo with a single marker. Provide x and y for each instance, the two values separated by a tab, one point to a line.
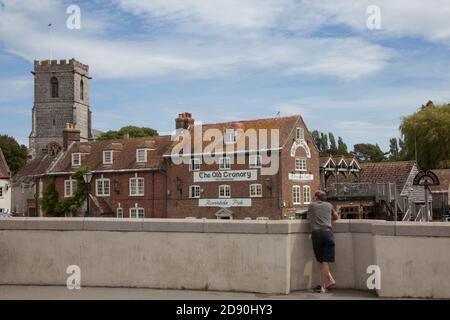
107	157
296	195
194	165
300	164
255	190
81	90
141	155
306	194
70	186
230	137
224	191
119	213
1	192
136	186
255	161
224	163
102	187
76	159
300	134
194	192
55	87
137	213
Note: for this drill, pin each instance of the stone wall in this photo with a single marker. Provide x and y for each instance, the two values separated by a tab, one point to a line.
251	256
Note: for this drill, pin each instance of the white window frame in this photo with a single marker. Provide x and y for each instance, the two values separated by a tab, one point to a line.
110	152
299	133
76	163
70	186
194	192
225	160
138	159
306	199
137	213
102	181
224	191
194	165
296	191
256	190
119	213
229	137
255	161
138	189
301	167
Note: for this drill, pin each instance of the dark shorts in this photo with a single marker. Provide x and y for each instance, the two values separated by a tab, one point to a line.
323	245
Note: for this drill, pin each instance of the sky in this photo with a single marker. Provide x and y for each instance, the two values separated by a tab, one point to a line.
234	60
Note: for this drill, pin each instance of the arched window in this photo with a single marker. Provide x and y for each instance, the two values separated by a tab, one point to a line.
55	89
81	90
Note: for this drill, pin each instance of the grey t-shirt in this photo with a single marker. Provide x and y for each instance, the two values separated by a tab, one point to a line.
320	215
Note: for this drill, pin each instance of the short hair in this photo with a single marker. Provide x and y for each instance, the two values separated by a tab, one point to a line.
321	195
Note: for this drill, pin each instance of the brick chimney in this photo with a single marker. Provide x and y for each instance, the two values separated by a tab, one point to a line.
184	120
70	134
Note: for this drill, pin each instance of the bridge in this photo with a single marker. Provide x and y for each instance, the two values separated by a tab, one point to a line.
410	259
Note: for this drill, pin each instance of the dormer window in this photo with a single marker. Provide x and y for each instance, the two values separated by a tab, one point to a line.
107	157
230	137
141	155
76	159
300	134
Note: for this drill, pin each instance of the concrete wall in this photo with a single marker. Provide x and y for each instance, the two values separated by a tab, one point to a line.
5	197
251	256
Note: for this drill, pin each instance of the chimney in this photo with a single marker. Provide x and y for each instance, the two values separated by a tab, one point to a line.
70	134
184	120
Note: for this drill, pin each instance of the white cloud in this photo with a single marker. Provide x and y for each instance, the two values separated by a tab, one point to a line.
24	33
15	88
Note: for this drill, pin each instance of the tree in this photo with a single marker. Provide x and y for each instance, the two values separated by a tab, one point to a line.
316	138
15	154
333	146
394	150
427	133
133	131
342	147
324	143
366	152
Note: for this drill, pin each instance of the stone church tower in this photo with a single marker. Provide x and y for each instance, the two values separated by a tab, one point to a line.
61	95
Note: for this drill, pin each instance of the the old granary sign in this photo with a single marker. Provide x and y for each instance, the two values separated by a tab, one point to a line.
225	203
228	175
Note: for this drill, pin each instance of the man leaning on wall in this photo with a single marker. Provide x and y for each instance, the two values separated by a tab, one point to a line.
320	216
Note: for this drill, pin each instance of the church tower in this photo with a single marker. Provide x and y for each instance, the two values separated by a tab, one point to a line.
61	95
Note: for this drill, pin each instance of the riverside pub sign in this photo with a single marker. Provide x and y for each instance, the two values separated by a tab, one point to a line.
223	176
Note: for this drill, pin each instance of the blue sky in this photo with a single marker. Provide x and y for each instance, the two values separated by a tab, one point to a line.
235	59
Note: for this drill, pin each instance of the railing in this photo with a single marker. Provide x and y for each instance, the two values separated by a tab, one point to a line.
407	216
351	190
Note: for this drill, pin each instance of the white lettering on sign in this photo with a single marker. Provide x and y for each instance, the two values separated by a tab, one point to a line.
301	176
230	175
225	203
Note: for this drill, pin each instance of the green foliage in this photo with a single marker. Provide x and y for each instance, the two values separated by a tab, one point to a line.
133	131
321	141
394	149
15	154
429	130
50	199
367	152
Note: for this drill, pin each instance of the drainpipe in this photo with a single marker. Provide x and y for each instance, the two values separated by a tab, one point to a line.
164	173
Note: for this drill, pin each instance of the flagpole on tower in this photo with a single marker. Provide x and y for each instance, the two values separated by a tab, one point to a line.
50	40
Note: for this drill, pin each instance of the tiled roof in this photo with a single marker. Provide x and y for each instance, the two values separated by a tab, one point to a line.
444	180
285	125
124	154
336	159
32	168
384	172
4	169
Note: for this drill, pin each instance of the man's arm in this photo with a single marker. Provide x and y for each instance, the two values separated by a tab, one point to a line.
334	214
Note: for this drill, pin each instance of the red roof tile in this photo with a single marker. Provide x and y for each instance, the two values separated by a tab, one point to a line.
444	180
384	172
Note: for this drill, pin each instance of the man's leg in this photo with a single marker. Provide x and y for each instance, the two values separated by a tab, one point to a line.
324	273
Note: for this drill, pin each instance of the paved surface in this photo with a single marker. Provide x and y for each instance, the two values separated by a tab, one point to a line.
89	293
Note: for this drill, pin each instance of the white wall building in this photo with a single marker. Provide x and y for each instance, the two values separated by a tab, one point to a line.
5	185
